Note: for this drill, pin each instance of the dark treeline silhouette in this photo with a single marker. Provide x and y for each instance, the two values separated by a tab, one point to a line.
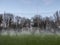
17	23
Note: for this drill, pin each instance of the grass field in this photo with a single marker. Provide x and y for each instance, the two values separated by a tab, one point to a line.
30	40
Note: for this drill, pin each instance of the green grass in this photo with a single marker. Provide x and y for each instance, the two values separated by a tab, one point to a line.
30	40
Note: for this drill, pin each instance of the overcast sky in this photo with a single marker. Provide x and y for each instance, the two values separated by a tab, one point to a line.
29	8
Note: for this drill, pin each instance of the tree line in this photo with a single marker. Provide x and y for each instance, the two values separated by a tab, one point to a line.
8	21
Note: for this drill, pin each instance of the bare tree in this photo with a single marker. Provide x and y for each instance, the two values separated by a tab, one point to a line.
19	22
1	19
8	18
57	16
57	21
36	22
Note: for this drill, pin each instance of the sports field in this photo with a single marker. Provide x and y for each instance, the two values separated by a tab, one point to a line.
30	40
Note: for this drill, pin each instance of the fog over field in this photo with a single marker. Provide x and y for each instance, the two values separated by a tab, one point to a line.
15	33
